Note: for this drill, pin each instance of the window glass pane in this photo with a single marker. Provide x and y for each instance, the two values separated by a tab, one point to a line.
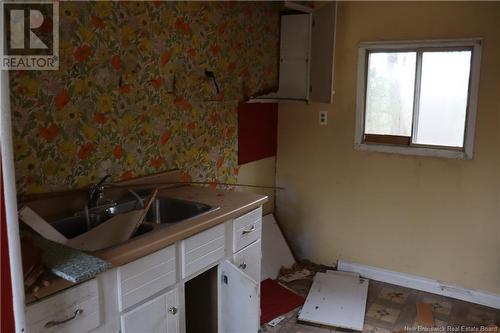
389	93
443	98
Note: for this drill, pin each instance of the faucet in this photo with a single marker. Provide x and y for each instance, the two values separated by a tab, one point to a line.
96	192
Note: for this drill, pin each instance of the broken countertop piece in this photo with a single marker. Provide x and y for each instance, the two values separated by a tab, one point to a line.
67	263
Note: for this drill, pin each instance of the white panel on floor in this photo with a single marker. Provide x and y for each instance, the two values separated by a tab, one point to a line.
275	250
353	274
337	300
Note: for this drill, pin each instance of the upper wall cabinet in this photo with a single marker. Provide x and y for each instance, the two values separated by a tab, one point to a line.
307	45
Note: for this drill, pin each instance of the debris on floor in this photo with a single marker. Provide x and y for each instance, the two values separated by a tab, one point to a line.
296	275
424	314
276	321
301	270
336	299
276	300
34	271
275	251
389	308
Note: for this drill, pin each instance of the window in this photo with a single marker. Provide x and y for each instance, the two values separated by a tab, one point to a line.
418	98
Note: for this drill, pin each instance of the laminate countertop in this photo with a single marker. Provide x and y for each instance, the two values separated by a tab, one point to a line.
231	204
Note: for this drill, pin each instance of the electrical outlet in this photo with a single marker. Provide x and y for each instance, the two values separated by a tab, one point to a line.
323	117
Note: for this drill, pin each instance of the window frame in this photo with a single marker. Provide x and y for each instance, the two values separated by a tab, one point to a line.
396	146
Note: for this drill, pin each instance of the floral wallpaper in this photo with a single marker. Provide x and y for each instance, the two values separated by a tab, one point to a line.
131	96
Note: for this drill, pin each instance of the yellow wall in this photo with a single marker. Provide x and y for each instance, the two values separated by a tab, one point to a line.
262	173
433	217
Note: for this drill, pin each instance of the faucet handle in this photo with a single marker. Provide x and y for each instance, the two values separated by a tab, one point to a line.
103	179
96	192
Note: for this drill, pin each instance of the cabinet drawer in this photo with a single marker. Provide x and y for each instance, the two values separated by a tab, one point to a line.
247	229
248	260
203	249
144	277
73	310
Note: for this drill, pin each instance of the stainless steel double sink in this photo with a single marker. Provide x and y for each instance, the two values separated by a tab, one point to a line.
163	211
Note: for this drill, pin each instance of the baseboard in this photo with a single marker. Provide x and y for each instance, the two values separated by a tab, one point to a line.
422	283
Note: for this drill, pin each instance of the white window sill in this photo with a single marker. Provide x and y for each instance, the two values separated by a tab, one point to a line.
415	151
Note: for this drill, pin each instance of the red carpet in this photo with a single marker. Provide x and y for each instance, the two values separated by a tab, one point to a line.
276	300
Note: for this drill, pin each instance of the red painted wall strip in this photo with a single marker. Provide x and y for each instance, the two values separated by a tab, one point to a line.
257	131
7	312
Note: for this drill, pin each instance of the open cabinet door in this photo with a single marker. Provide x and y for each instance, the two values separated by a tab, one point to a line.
239	297
295	54
322	53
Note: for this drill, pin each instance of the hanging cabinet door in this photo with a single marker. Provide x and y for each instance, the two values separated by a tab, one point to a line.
322	53
307	49
161	314
239	300
295	53
295	46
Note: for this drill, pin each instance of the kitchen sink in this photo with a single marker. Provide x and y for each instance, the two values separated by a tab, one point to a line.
74	226
163	211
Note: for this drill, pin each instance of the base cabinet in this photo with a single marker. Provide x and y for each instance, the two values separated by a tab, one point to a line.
160	314
212	294
207	283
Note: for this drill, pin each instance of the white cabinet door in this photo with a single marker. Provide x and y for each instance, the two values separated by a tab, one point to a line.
322	54
161	314
307	50
144	277
294	56
248	260
239	300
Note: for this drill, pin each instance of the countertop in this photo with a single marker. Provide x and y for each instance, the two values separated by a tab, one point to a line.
231	204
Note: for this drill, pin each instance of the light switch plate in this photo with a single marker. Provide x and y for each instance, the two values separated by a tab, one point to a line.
323	117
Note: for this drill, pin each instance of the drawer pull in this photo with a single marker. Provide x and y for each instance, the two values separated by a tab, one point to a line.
252	229
172	310
53	323
243	265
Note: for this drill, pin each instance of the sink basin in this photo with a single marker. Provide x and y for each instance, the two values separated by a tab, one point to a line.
163	211
74	226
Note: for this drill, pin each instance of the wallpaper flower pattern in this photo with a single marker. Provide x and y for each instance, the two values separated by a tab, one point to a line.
131	96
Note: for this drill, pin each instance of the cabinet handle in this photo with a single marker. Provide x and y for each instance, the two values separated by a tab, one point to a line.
252	229
243	265
172	310
53	323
